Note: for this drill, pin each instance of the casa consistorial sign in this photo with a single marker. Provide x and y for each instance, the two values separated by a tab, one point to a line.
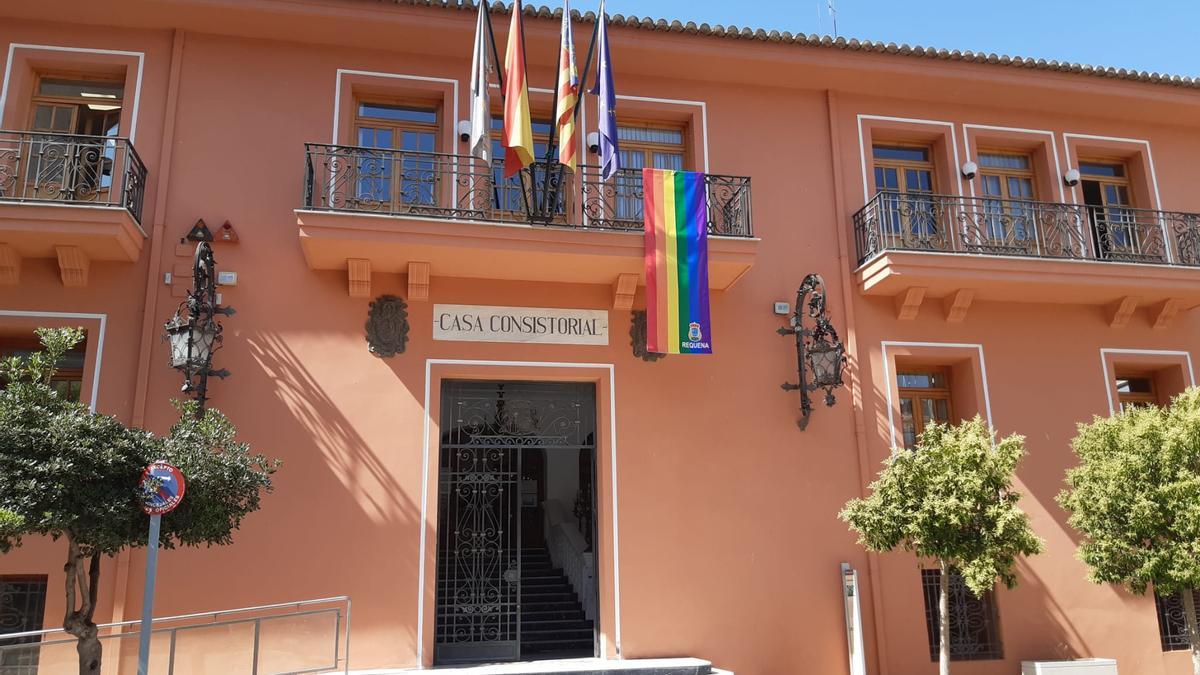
535	325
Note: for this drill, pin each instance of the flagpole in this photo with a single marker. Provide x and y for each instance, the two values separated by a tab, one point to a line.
487	16
503	102
587	66
544	208
532	168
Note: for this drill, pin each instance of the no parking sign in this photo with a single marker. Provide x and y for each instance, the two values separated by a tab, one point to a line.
162	488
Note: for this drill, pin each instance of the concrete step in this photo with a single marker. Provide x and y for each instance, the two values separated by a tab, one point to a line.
681	666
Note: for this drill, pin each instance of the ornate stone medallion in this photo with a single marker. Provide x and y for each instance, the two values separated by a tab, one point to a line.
387	326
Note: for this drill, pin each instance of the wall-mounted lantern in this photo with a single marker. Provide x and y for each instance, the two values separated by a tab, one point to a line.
194	333
820	354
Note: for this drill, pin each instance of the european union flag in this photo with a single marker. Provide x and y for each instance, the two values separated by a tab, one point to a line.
606	105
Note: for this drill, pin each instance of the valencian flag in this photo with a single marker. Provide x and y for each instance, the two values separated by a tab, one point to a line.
676	213
568	92
518	128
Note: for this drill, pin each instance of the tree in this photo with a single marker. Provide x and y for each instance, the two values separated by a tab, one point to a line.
950	499
71	474
1135	498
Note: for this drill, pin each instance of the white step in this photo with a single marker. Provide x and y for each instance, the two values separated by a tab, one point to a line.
569	667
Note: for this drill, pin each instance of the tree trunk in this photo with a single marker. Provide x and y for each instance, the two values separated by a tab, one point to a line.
944	619
1189	614
82	588
89	650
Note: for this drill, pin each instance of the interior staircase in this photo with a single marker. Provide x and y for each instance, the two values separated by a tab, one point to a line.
553	624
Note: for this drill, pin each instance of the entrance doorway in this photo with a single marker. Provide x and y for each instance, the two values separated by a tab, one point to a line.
516	564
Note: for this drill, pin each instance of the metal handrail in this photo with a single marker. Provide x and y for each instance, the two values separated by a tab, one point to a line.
911	221
341	646
461	187
46	167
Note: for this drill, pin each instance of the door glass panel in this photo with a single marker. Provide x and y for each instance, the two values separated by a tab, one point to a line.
628	185
1022	214
940	410
668	160
418	172
993	209
908	422
373	170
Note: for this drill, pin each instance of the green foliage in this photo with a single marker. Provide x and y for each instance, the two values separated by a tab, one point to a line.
1135	496
951	498
65	471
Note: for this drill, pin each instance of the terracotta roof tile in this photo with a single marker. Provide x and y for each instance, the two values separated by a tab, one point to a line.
814	40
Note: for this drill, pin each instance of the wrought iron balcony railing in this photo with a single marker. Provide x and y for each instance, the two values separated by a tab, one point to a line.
437	185
56	168
983	225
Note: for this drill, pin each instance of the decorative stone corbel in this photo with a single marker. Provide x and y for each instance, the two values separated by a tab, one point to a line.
418	281
1164	313
73	265
908	303
956	304
624	290
10	265
1120	312
358	272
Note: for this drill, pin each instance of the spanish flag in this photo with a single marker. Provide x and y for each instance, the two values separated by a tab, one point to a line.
518	128
568	92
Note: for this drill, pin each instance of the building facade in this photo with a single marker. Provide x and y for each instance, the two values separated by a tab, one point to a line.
1012	239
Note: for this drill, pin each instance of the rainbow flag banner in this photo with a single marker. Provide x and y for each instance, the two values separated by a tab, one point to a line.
676	214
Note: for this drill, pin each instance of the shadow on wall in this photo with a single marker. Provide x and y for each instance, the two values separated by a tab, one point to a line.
368	483
1057	638
348	455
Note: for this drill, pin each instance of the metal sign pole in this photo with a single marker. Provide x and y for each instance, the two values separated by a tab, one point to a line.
148	596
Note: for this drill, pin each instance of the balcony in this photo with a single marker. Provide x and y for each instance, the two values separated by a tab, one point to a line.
371	210
74	198
917	246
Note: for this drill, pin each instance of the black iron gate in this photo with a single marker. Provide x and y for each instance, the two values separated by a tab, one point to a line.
485	425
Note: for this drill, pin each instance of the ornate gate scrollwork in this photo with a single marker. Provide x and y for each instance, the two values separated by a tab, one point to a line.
485	426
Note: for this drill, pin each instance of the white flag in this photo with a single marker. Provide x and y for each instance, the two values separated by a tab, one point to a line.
481	111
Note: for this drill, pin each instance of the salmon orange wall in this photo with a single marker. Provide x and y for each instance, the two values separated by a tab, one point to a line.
729	541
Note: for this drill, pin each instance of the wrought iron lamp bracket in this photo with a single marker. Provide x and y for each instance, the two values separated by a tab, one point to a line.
820	354
194	332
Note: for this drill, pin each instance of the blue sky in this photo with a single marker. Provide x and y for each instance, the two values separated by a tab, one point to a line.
1152	35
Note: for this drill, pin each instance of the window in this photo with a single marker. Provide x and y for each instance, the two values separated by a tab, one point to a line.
1136	390
68	379
1106	191
974	624
924	398
508	193
405	174
903	168
642	146
650	146
22	608
69	105
1172	625
64	106
908	218
1007	184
